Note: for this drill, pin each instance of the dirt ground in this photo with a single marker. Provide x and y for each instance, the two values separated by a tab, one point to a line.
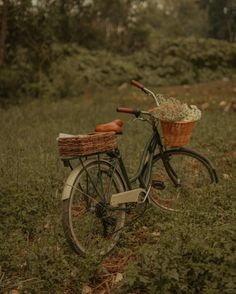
223	88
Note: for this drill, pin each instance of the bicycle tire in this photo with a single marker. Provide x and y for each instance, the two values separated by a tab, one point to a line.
193	171
87	224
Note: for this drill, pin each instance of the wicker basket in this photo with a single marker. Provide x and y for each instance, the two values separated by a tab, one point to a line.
177	134
87	144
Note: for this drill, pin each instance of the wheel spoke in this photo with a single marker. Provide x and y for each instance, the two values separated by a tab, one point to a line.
88	224
193	174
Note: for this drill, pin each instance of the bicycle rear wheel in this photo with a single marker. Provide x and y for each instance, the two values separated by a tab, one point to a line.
88	224
176	183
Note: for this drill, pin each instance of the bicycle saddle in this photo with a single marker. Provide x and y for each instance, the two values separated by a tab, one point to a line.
113	126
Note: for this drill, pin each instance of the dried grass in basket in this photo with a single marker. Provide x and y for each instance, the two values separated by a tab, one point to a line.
87	144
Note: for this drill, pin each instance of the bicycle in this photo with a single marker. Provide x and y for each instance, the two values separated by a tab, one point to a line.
98	193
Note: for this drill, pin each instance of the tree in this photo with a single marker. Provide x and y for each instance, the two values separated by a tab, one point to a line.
112	24
222	18
175	18
3	30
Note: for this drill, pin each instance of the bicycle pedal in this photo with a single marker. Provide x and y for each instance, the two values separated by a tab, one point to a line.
111	221
159	185
130	207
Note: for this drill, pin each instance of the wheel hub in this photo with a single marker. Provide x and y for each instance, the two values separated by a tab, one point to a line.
100	210
159	185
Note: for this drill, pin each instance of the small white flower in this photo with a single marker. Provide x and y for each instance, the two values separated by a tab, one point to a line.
172	109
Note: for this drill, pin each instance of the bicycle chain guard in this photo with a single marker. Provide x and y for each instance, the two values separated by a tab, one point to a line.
132	196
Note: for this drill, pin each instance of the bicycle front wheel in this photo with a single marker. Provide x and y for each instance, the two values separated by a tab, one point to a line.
178	177
89	224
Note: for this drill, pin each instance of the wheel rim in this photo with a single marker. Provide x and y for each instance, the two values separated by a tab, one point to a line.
94	227
193	175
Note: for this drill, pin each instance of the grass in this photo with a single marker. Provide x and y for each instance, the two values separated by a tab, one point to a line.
195	250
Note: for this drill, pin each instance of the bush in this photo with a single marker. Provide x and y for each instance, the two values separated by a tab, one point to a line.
177	61
68	70
188	60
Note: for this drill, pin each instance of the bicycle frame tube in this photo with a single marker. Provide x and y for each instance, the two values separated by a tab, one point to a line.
147	158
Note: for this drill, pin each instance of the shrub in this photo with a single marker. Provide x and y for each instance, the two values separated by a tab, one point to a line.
68	70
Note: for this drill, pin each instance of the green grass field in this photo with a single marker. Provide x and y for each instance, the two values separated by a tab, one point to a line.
191	252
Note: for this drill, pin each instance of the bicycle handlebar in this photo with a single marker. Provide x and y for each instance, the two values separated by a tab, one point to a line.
145	90
125	110
140	86
136	112
137	84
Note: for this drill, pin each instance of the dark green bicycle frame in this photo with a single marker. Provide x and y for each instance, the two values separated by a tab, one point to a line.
146	162
144	171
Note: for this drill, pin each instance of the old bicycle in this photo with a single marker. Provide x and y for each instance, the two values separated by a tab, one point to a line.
99	193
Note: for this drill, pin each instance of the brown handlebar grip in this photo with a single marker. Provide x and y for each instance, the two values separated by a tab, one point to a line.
125	109
137	84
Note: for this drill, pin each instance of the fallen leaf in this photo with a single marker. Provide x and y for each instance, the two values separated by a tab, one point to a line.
206	93
102	291
156	234
186	87
46	226
225	79
222	103
226	176
118	278
231	153
227	107
123	86
14	291
87	290
205	105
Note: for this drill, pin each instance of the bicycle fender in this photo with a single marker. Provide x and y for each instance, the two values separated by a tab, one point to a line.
72	177
69	182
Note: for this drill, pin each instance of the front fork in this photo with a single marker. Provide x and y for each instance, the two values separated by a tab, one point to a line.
170	171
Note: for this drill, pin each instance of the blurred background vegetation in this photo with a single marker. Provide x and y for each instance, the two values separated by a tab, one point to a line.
62	48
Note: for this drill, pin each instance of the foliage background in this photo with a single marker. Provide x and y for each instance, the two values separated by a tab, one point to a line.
62	48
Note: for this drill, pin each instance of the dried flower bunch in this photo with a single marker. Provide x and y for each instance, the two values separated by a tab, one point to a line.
171	109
